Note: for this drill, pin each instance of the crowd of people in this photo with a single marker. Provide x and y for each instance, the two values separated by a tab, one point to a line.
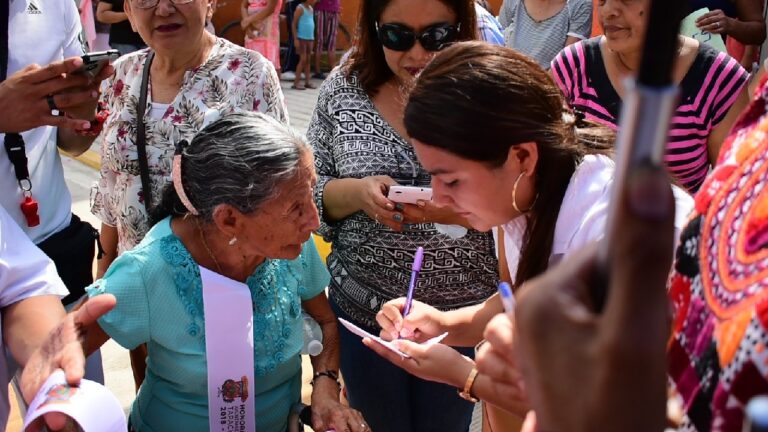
208	201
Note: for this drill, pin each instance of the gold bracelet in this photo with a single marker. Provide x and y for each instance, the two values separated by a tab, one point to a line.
467	392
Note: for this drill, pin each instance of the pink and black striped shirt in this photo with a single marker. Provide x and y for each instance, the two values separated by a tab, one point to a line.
709	89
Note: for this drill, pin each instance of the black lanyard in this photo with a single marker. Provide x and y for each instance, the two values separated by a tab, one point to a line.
14	143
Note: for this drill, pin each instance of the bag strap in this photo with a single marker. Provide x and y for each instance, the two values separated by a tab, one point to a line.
141	134
13	142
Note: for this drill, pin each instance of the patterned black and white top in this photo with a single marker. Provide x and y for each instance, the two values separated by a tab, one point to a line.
369	263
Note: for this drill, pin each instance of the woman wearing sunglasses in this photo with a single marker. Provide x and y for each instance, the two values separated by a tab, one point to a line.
361	149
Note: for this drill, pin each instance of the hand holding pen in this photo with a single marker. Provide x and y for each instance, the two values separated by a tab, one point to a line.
495	358
406	318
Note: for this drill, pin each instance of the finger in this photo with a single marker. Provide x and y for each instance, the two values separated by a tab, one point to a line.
58	85
392	219
500	334
54	70
390	319
392	356
56	420
62	121
416	351
72	361
529	425
69	100
106	72
706	16
94	308
500	369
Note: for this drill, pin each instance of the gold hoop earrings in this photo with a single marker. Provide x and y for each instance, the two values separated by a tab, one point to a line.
514	196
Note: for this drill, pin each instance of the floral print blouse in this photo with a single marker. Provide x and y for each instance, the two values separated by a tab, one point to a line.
232	79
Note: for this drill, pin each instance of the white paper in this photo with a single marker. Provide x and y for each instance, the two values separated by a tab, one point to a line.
389	345
688	28
90	404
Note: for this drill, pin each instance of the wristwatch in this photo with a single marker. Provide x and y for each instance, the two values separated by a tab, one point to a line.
466	393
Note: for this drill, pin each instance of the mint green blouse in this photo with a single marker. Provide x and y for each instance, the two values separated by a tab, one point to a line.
159	302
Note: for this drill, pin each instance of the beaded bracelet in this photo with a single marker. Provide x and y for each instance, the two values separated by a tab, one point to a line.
332	374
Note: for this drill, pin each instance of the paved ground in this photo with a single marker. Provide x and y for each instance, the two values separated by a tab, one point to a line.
80	175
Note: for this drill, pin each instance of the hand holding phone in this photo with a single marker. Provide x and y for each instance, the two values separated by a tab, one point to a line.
94	62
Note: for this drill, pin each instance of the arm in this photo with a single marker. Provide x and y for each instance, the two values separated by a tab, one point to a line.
73	143
27	323
750	53
108	239
327	411
105	14
506	15
720	132
263	14
749	28
295	24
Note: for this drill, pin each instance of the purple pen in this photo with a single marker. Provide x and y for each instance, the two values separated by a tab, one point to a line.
417	260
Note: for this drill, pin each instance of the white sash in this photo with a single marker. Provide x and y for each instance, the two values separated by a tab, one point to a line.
229	351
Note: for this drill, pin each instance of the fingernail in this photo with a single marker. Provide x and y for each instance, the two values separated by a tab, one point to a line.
389	206
85	125
406	333
649	193
421	203
398	217
399	206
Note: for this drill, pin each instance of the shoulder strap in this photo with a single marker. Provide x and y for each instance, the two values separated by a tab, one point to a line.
141	134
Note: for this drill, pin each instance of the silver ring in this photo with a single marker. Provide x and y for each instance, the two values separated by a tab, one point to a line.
51	103
718	24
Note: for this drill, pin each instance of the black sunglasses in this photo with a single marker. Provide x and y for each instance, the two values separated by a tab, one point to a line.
398	37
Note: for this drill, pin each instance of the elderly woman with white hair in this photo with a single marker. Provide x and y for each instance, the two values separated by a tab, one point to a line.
217	287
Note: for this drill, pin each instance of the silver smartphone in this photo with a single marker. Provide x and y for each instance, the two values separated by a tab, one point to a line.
94	62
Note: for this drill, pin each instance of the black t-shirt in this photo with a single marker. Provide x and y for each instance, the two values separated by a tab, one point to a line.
122	33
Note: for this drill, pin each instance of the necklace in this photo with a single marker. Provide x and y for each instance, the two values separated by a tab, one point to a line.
207	248
624	64
621	60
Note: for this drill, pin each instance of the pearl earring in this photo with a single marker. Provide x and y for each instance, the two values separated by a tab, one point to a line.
233	241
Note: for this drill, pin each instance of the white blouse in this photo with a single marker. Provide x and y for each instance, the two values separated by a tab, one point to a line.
583	213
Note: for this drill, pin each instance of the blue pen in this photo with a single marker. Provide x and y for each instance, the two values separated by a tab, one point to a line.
507	298
417	260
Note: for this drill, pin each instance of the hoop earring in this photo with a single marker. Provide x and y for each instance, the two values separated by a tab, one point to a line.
514	196
233	241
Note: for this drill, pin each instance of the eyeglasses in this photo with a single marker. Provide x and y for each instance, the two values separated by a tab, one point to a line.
149	4
398	37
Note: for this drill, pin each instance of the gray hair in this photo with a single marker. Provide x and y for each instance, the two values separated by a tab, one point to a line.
240	160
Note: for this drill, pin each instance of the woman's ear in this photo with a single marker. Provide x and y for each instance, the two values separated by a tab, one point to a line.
228	220
523	157
211	9
129	13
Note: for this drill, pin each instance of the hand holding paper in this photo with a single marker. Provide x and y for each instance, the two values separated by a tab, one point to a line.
89	404
390	345
705	35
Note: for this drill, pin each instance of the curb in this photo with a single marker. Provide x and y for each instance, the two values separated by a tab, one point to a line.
90	158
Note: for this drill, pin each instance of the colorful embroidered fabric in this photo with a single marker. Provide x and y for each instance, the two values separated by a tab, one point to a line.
719	287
